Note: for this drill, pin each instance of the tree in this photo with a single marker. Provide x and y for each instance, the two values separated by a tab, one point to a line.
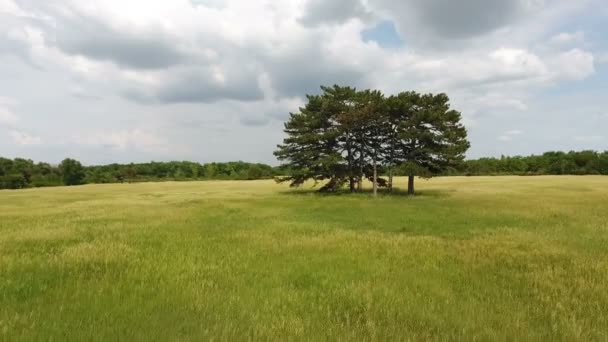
312	147
372	116
431	135
344	135
72	172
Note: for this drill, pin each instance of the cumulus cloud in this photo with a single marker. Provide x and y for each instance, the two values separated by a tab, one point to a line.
603	58
24	139
589	138
566	38
333	12
198	84
457	19
123	140
248	63
510	135
6	115
574	65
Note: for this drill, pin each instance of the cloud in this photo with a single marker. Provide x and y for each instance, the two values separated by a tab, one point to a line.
124	140
6	115
234	69
514	132
91	39
589	138
254	120
319	12
602	58
508	136
24	139
454	20
574	65
80	30
82	94
566	38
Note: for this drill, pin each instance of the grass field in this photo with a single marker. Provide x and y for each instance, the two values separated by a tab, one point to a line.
484	257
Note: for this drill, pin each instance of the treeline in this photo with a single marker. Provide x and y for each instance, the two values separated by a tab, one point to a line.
24	173
549	163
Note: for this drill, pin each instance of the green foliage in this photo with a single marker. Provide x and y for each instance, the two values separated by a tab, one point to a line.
22	173
345	135
72	172
13	181
180	171
549	163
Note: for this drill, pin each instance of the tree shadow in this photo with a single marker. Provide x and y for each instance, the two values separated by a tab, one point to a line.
397	192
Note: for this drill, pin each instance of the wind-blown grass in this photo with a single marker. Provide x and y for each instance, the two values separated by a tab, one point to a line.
482	257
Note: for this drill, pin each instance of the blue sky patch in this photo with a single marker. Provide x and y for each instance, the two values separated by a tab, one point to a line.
385	34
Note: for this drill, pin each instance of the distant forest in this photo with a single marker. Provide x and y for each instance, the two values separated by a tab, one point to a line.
24	173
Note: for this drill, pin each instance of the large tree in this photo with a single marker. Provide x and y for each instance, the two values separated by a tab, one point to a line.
431	136
311	148
329	138
344	135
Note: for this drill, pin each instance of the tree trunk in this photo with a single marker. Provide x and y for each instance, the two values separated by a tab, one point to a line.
410	185
350	165
361	160
410	180
390	168
375	177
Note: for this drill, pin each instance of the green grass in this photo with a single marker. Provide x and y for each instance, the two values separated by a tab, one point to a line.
488	258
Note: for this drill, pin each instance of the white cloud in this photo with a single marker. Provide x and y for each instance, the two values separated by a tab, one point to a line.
9	7
508	136
24	139
6	115
589	138
123	140
566	38
602	58
574	65
248	63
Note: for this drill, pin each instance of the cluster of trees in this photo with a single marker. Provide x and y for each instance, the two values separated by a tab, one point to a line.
549	163
343	136
24	173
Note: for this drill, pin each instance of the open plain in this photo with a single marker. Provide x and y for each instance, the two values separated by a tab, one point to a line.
468	258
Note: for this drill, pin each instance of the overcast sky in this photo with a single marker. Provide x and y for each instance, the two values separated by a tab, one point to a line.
209	80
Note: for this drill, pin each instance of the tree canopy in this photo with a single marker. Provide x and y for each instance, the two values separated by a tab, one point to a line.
345	136
72	171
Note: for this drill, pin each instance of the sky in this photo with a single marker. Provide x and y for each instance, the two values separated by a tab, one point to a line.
208	80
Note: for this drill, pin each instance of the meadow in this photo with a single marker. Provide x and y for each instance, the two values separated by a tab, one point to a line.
486	258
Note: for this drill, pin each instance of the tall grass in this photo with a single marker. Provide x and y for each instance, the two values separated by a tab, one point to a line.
470	258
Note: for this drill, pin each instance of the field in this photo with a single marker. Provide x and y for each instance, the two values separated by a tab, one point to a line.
482	257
